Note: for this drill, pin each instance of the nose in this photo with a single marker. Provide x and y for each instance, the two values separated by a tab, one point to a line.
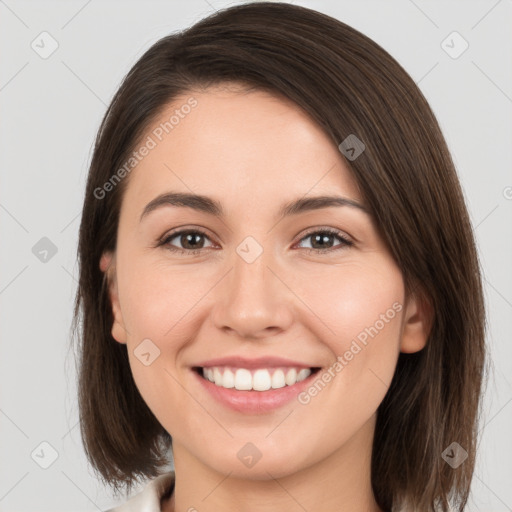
253	301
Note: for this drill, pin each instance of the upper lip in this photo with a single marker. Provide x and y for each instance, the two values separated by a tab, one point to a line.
254	363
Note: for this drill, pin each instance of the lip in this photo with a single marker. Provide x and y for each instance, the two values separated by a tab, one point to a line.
254	363
254	402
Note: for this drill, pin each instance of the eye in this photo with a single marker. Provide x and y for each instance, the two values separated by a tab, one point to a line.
192	241
320	240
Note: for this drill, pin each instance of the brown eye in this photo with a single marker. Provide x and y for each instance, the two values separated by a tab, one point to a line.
322	240
191	241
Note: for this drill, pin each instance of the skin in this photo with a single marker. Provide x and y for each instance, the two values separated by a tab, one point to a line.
253	152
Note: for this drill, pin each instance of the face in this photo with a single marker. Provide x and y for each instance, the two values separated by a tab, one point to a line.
251	295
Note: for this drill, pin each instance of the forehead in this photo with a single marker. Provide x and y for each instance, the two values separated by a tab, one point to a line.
249	147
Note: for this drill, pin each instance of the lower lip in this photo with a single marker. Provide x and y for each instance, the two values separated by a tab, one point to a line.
255	402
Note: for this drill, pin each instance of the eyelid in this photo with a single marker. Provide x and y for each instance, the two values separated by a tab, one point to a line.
185	227
346	240
327	229
182	230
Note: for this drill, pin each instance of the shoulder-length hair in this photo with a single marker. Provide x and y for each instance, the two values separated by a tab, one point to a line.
349	85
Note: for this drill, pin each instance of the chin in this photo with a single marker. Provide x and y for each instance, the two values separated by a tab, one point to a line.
246	461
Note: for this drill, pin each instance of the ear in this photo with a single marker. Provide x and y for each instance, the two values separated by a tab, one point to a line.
417	323
108	267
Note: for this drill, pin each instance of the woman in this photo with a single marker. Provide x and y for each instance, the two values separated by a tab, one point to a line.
279	285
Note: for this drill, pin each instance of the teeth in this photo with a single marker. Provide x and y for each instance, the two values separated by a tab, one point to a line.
261	380
257	380
278	380
217	377
228	379
243	380
303	374
291	377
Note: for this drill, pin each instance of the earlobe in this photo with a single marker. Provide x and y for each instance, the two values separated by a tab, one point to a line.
107	266
105	261
417	322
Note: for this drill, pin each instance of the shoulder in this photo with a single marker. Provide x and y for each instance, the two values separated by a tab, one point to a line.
148	500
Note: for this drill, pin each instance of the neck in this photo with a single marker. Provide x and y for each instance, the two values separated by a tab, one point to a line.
341	481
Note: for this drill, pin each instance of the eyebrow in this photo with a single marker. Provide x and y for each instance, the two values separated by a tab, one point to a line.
210	206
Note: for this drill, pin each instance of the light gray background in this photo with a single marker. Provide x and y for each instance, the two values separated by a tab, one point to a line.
51	109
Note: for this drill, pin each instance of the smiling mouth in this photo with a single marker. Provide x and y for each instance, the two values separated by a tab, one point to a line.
260	379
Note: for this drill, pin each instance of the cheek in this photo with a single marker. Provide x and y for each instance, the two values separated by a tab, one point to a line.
353	310
360	311
157	308
342	303
158	302
349	300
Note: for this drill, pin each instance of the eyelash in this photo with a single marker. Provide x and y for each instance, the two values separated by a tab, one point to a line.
164	241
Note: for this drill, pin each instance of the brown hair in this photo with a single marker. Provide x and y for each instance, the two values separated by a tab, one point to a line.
349	85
